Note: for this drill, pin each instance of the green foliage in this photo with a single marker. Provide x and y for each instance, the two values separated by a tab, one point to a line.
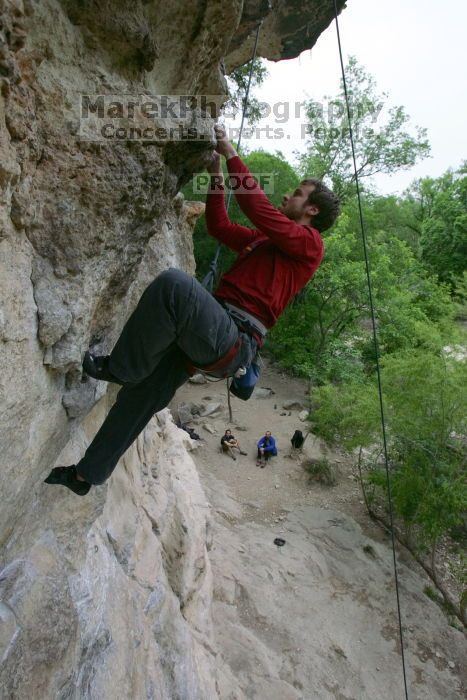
425	409
329	324
394	214
460	297
347	415
322	471
379	149
436	212
440	207
238	83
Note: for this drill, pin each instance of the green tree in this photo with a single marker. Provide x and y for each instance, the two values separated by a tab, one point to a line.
440	210
237	82
425	409
384	148
325	335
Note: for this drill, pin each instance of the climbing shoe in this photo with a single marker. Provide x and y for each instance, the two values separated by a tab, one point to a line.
67	476
97	366
243	453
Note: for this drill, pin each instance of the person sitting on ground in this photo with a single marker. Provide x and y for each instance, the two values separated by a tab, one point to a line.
229	442
266	448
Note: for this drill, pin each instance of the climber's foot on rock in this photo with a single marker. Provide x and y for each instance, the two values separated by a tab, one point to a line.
68	476
97	366
243	453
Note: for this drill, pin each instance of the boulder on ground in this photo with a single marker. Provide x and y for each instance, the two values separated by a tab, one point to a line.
184	413
187	410
211	408
295	404
303	415
198	379
262	393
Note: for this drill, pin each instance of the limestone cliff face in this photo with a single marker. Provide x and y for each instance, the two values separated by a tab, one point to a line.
84	227
109	596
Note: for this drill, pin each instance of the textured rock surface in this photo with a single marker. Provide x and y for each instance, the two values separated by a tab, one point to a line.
291	27
110	595
83	228
315	619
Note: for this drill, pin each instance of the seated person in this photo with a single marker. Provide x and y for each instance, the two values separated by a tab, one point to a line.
266	448
228	442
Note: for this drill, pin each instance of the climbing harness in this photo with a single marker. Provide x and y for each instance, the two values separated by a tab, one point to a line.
220	368
245	321
376	347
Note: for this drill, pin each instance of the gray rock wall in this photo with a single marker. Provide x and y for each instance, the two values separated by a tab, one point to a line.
91	593
110	595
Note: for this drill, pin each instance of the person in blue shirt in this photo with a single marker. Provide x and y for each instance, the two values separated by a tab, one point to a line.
266	448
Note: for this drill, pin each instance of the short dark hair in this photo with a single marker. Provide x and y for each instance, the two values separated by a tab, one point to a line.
327	202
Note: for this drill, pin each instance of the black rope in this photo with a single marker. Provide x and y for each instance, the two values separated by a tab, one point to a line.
376	346
210	278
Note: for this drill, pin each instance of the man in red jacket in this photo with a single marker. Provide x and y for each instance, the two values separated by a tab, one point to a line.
178	325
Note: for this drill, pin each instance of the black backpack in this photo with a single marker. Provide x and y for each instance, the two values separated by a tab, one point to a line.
297	439
191	432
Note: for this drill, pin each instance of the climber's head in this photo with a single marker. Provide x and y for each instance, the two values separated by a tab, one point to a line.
312	204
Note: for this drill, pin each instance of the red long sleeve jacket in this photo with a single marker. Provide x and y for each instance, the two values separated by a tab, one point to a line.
276	259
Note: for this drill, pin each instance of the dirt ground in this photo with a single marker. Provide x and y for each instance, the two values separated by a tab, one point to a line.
283	484
336	566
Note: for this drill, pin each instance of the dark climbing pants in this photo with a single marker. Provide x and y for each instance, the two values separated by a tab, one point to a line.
267	454
176	319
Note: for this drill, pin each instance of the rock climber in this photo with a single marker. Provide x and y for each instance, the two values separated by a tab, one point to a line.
178	325
266	448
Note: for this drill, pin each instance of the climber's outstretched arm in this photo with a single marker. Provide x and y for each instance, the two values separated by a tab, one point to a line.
219	225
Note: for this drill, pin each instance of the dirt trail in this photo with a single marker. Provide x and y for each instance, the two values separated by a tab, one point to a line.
314	619
250	484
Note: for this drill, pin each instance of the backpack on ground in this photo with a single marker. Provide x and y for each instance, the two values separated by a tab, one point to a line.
297	439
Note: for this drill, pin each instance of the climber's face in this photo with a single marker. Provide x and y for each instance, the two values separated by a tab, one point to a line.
295	205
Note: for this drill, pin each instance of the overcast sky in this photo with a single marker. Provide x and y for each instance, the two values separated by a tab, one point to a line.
417	52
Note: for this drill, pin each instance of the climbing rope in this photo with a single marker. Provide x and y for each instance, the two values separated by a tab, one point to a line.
210	278
376	347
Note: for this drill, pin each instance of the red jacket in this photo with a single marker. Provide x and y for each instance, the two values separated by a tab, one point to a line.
275	260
